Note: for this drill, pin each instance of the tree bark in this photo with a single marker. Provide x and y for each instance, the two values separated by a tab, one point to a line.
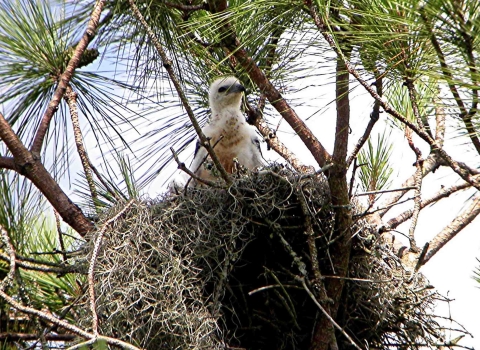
28	165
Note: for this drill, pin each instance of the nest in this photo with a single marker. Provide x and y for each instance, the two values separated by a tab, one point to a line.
214	268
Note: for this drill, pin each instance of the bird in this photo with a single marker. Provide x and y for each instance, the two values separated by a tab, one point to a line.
234	141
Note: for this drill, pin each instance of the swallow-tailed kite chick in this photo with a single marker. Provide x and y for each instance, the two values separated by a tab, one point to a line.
239	143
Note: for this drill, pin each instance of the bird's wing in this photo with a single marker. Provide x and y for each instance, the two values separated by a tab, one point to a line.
256	149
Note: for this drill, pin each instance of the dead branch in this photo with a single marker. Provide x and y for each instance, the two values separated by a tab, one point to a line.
430	164
443	193
418	189
450	231
183	167
387	191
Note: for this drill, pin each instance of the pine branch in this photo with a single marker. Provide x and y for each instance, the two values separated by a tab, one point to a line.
71	98
231	42
28	165
465	172
465	115
65	78
7	163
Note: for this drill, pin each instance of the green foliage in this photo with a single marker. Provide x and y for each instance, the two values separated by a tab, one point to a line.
476	273
36	44
34	234
375	167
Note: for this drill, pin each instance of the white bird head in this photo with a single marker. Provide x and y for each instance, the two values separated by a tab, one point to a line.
225	92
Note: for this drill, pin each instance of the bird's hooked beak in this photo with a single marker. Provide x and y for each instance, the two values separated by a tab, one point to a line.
235	88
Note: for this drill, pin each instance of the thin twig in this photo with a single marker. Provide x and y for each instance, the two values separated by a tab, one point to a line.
261	289
386	191
310	294
374	117
443	193
270	136
183	167
60	235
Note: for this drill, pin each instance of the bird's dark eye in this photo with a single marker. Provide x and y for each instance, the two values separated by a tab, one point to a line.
222	89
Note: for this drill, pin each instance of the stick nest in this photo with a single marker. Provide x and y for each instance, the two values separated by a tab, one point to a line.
214	268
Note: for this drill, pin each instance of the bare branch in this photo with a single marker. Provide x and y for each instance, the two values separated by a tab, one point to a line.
182	166
429	165
387	191
374	116
450	231
30	166
61	323
443	193
167	63
439	122
67	75
418	189
60	235
274	142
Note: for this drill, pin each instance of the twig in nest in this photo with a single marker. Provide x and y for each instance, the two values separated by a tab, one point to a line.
271	286
310	294
184	168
